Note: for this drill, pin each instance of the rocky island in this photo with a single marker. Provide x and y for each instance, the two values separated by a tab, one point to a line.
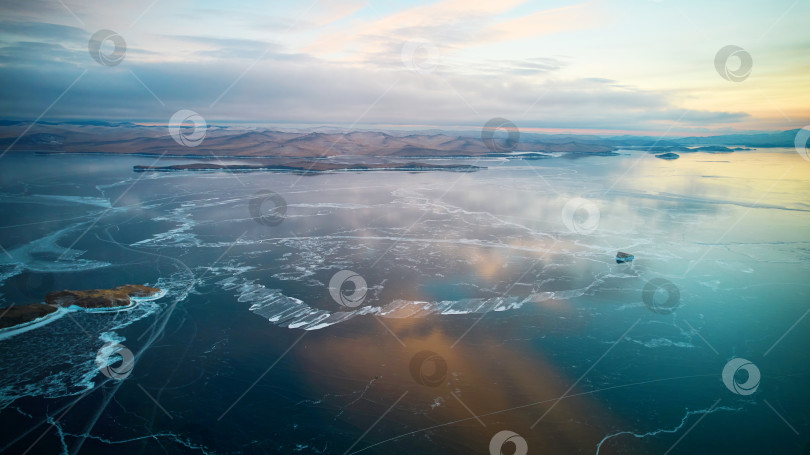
88	299
310	167
670	150
668	156
100	298
17	315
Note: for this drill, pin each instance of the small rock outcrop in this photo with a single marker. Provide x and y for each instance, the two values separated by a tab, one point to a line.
624	257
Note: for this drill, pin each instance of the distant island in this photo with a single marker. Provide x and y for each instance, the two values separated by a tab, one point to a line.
90	299
304	167
668	156
706	149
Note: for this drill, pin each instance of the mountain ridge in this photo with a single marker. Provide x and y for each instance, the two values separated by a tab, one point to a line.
128	138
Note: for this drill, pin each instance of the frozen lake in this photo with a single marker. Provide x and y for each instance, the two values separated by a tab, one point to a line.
294	330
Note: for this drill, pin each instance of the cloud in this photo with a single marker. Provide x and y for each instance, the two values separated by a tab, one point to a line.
565	19
294	88
223	48
273	81
40	31
448	24
31	10
528	67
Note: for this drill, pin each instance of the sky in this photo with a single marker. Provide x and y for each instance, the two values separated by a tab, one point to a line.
605	67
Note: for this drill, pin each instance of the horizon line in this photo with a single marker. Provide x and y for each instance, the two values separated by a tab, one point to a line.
408	127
